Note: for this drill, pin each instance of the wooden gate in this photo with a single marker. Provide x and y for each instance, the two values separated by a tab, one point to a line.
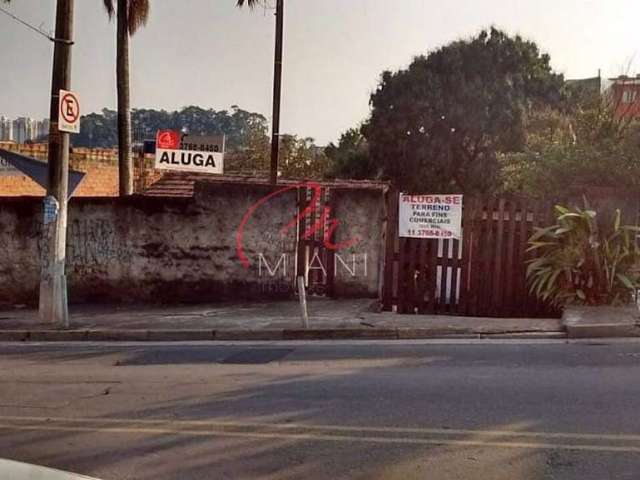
482	275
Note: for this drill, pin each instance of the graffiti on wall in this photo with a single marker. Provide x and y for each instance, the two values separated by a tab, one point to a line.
91	244
94	242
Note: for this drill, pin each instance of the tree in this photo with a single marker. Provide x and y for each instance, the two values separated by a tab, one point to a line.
438	125
131	15
351	158
589	142
585	144
100	129
249	3
301	158
252	157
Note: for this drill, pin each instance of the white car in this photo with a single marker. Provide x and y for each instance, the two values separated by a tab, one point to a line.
10	470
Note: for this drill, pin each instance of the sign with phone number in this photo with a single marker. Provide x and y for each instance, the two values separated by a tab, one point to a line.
430	216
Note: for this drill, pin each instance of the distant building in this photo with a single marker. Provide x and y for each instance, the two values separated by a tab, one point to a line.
586	86
625	96
27	129
42	128
622	93
6	130
22	130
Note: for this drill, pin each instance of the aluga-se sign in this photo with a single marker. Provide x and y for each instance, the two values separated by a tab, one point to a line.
189	153
430	216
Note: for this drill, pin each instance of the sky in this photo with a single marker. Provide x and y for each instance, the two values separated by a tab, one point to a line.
212	54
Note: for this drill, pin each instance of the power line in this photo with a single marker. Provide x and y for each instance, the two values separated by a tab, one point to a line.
28	25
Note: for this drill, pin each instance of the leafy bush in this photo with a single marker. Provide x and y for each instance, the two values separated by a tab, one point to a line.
579	264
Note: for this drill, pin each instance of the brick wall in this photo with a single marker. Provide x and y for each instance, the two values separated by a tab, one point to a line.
19	186
99	164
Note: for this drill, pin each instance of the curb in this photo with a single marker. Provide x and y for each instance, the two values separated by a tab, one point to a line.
247	335
601	322
341	334
613	330
256	335
418	333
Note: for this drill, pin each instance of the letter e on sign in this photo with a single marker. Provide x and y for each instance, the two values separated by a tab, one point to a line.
68	112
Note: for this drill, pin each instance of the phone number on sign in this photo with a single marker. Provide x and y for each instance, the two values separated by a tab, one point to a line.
429	233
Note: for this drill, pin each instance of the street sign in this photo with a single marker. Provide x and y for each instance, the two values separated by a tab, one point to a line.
189	153
51	208
37	171
149	146
430	216
68	112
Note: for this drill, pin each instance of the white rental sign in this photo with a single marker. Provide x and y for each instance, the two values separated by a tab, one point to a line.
68	112
203	154
430	216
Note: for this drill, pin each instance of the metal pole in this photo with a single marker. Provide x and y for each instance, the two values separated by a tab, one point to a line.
277	84
53	285
302	294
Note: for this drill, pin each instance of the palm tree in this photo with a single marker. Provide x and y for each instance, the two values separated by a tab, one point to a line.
131	15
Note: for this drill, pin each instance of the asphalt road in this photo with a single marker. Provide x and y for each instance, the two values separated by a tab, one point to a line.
337	410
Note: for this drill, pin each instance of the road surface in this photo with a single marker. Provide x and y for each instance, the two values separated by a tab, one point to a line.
325	410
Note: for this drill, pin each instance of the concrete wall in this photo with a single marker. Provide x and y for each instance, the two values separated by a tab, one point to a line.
358	267
178	250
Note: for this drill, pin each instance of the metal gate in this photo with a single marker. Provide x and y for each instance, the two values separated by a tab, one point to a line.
314	261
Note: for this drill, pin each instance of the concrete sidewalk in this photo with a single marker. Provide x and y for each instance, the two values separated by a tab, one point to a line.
329	319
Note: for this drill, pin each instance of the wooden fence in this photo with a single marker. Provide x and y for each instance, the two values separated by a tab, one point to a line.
482	275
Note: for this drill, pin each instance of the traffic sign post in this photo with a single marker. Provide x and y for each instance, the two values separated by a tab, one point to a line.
68	112
64	113
53	286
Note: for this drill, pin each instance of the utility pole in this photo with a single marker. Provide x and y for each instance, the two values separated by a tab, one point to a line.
277	83
53	284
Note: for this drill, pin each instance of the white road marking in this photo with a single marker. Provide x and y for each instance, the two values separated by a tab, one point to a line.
220	429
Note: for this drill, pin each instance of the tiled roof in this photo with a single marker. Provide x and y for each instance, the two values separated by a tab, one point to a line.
173	184
182	184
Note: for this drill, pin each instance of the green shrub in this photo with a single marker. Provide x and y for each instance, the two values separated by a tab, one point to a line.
577	263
